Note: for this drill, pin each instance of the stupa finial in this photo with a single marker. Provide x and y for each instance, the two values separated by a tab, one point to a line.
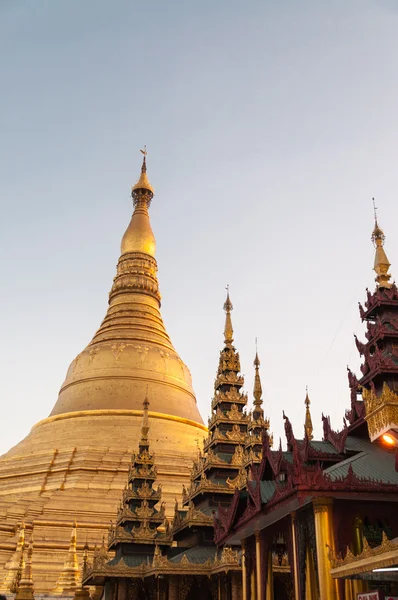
143	182
308	420
381	263
228	330
257	389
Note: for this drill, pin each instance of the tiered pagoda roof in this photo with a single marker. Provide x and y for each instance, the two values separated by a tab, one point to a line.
138	519
220	469
379	381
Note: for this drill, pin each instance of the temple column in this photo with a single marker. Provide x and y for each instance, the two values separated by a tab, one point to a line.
235	587
173	588
244	572
295	563
253	584
311	592
324	539
259	578
270	578
122	590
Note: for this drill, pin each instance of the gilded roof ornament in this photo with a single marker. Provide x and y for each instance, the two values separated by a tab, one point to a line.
381	263
228	330
143	181
308	420
257	389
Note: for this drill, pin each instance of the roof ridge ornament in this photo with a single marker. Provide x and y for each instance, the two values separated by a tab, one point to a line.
308	428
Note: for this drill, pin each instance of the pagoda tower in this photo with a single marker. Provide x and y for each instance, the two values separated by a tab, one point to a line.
139	523
74	463
220	469
379	381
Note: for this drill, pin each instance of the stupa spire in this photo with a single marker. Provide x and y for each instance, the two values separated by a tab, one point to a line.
68	579
381	263
25	588
228	330
257	389
308	428
131	350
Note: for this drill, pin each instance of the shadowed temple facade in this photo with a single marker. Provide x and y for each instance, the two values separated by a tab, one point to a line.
122	492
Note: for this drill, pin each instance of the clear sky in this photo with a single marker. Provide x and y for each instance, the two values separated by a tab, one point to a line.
270	125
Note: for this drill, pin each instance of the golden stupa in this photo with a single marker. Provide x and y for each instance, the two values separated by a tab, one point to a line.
73	464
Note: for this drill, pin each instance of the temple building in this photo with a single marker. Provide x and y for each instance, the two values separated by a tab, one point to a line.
74	464
123	493
328	509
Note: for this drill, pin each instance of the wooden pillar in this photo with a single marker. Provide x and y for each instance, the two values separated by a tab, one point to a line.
295	568
173	588
324	538
122	590
311	591
270	578
235	587
253	583
259	577
244	572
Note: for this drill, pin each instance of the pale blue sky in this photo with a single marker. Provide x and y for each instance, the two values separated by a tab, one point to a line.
269	125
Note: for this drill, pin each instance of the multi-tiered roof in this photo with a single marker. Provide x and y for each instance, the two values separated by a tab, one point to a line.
138	519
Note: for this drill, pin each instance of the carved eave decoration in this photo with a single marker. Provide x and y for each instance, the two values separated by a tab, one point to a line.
206	485
381	411
240	481
192	517
231	396
381	296
144	492
208	461
227	561
382	556
336	438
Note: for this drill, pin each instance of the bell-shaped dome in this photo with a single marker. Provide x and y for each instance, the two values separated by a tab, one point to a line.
131	354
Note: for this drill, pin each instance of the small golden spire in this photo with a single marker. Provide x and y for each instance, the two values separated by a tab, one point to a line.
143	182
145	420
257	390
25	588
308	420
381	264
228	330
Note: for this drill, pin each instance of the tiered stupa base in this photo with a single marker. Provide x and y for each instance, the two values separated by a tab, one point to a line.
75	466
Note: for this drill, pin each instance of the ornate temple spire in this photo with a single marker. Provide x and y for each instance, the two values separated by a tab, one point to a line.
15	565
381	263
308	420
143	182
257	390
68	579
257	423
25	588
228	330
138	521
132	349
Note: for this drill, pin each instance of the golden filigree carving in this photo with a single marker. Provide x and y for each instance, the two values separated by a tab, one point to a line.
236	434
381	411
367	552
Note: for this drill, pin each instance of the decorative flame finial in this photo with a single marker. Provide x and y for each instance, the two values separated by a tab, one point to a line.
381	263
228	330
308	428
143	189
